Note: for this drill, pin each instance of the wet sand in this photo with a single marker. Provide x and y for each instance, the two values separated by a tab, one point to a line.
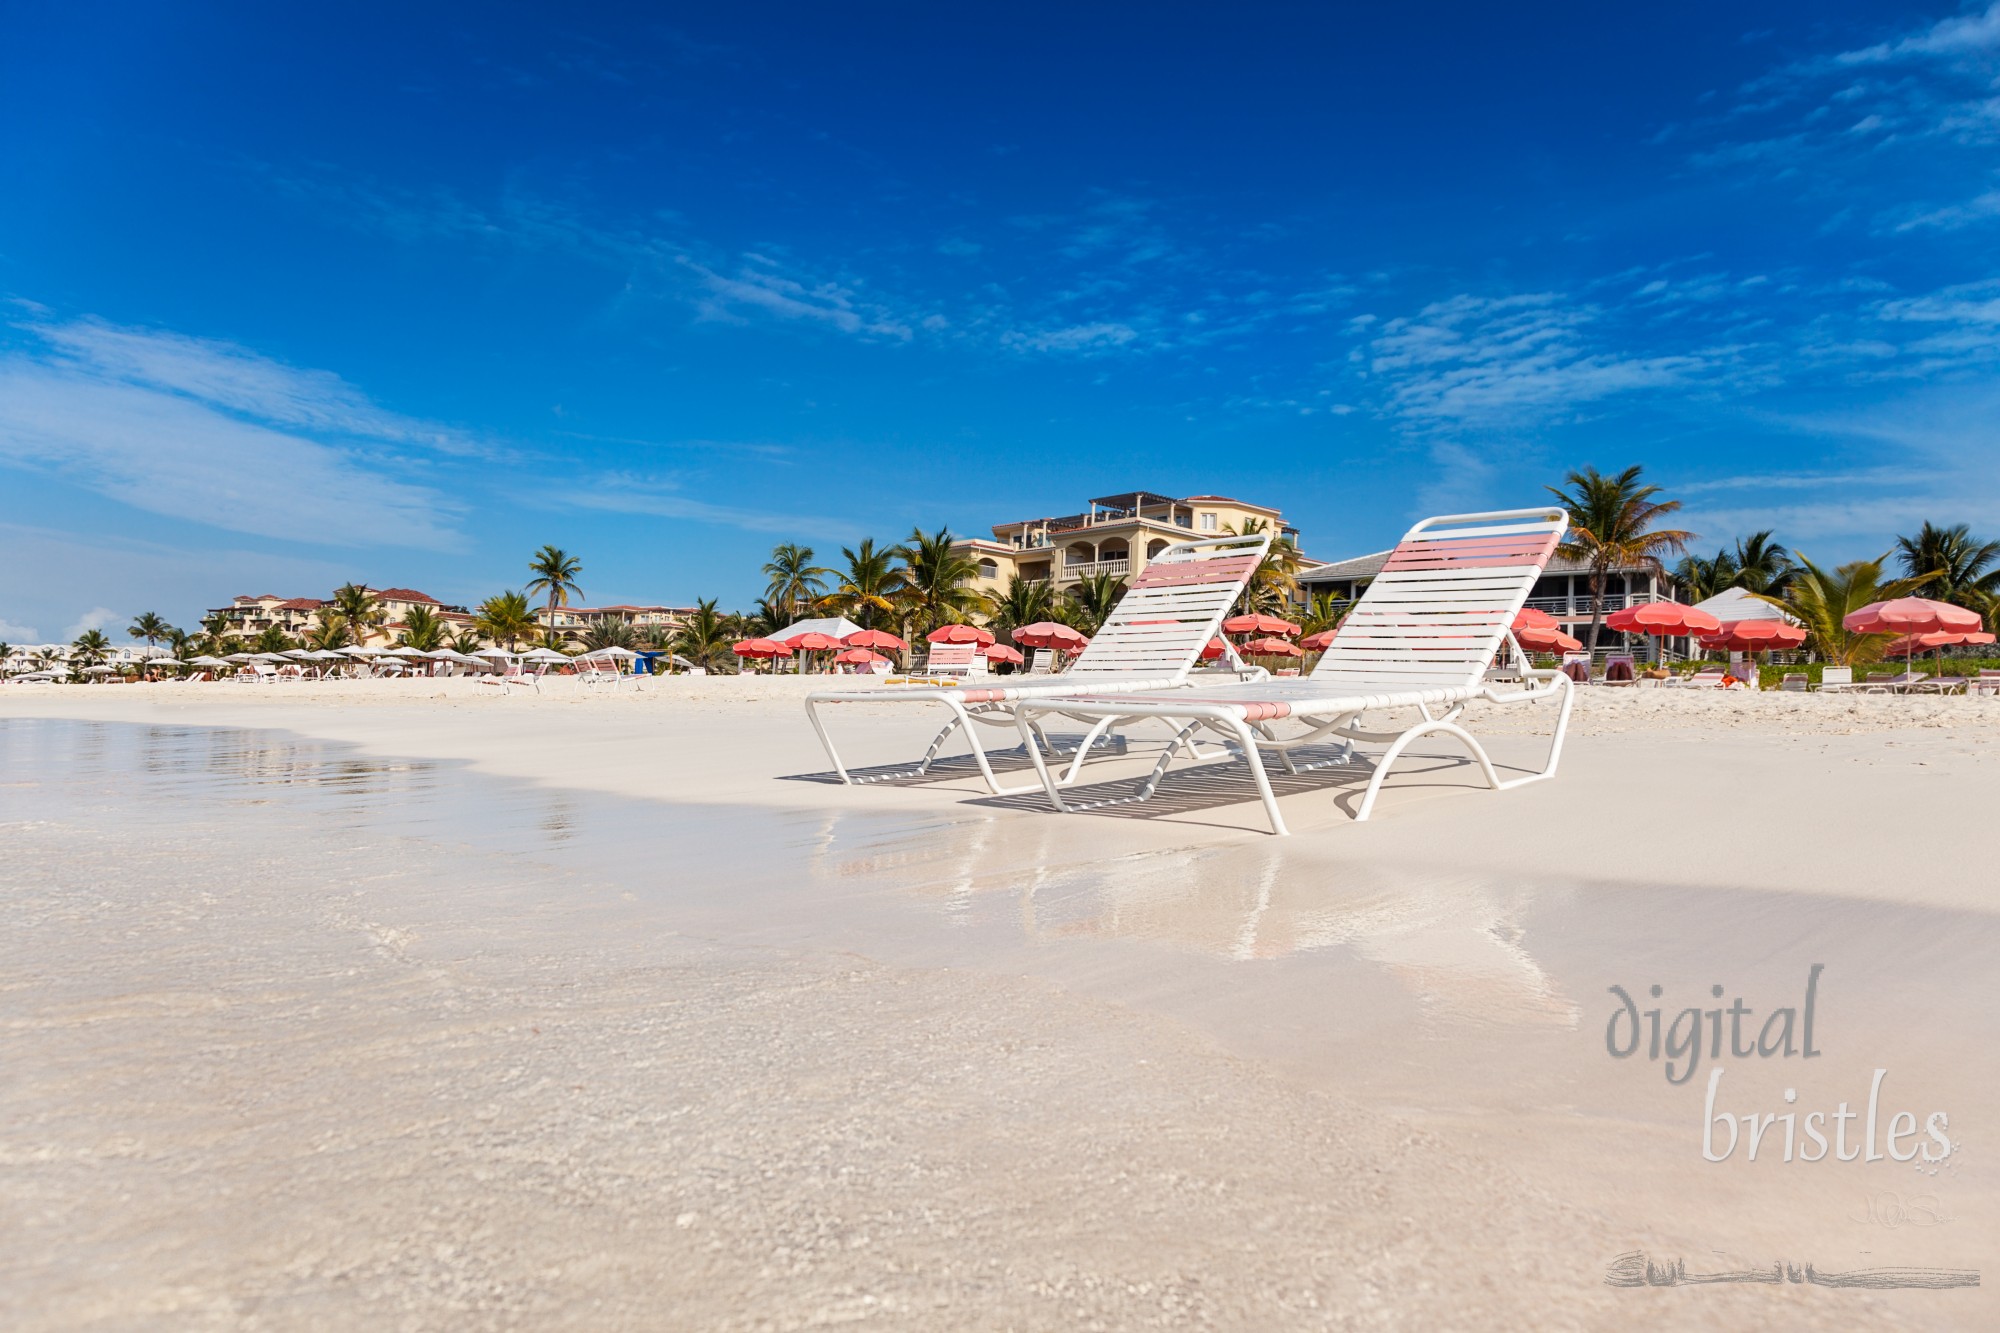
393	1010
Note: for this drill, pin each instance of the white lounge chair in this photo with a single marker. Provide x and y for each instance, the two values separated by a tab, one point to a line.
513	675
1152	640
1708	678
1420	638
1836	678
1795	682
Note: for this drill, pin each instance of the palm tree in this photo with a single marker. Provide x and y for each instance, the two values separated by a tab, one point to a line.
1701	577
466	641
505	618
1091	600
329	631
704	637
1963	570
936	581
1611	524
769	617
1761	565
868	585
1820	601
610	634
794	579
423	629
555	573
149	627
1026	602
273	639
1274	585
180	642
356	604
1323	611
87	650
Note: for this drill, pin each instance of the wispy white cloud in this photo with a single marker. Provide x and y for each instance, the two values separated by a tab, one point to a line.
98	617
663	497
1075	338
212	433
756	285
1474	360
18	634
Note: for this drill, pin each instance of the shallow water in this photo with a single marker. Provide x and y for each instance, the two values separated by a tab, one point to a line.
1475	1006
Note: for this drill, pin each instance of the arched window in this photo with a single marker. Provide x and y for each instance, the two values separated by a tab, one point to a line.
1113	550
989	569
1153	548
1079	553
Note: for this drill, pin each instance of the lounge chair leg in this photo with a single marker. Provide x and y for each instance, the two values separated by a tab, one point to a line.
1395	752
937	743
1263	779
1041	764
826	741
1284	756
1083	748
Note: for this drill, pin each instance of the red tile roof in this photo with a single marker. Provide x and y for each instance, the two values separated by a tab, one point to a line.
405	595
301	604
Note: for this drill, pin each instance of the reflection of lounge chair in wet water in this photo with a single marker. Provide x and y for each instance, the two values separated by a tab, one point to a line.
1420	638
1151	641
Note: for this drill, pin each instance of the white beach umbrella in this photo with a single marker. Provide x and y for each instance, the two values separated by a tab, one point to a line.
495	651
326	655
238	657
615	652
207	661
355	652
544	655
269	657
161	656
297	654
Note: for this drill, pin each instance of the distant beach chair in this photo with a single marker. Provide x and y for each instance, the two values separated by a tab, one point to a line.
1836	678
1420	638
1796	681
1152	640
1620	670
600	671
511	676
1043	663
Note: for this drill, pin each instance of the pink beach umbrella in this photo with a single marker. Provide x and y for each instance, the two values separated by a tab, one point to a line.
1049	634
1272	647
1258	623
960	634
1320	642
759	648
1668	620
875	638
1000	652
1529	618
1540	639
1910	615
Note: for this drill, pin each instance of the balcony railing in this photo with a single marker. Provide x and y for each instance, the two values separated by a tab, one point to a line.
1118	567
1578	607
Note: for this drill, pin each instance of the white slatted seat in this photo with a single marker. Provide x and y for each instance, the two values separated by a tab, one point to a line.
1151	641
1421	637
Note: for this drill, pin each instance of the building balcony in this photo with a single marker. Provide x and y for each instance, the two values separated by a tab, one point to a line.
1119	568
1578	607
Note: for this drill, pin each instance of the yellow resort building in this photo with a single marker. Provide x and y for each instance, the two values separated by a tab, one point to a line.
1115	534
573	623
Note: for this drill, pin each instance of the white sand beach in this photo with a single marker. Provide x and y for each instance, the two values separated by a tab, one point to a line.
408	1004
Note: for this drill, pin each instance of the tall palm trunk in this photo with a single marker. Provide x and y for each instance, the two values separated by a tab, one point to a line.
1596	607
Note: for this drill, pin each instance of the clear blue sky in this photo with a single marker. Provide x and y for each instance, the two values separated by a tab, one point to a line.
398	293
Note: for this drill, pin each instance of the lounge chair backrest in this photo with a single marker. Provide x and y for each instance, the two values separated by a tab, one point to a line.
954	658
1173	607
1042	662
1444	603
1836	675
